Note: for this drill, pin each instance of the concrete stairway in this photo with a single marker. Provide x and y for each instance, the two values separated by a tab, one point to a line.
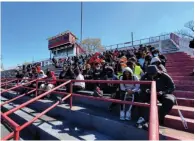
50	128
179	67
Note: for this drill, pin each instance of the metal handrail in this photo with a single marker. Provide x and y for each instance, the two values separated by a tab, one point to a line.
153	120
18	128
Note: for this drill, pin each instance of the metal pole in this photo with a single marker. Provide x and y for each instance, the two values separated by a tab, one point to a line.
16	135
81	22
71	95
132	38
36	98
153	121
36	88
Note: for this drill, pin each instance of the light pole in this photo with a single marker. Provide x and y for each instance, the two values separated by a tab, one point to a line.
81	21
132	38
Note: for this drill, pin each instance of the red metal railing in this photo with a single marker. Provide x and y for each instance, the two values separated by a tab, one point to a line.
7	82
18	128
153	120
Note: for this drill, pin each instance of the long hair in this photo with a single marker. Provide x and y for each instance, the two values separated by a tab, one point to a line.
125	77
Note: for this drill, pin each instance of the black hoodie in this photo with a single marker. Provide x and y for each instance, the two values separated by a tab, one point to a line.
164	83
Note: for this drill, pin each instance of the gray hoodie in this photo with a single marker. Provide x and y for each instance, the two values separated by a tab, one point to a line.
133	87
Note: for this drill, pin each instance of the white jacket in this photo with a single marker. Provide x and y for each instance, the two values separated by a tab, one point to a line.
80	77
133	87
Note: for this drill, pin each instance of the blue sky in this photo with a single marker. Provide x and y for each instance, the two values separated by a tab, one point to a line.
26	26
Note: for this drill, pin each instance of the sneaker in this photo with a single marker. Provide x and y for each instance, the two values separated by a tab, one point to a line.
98	92
122	115
145	126
140	122
128	115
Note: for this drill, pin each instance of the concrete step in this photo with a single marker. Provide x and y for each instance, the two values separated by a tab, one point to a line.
100	119
182	78
89	118
183	82
177	53
188	112
180	56
176	123
185	87
189	102
51	128
186	94
179	70
173	134
179	64
181	74
176	68
173	60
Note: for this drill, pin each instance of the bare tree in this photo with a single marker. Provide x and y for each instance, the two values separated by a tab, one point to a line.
188	31
92	45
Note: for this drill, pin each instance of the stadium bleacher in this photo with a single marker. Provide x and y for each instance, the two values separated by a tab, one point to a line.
179	65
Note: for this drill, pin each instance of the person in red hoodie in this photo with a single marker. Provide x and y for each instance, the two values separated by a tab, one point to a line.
50	82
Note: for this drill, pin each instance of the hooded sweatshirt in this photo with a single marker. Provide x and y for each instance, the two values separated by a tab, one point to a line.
160	66
52	80
126	87
42	75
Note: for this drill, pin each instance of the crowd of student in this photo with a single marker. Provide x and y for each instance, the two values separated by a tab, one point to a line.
142	64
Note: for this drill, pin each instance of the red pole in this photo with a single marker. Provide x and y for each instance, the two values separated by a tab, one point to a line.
2	84
71	95
17	97
100	98
153	122
42	113
36	87
17	86
36	98
8	136
16	135
17	82
5	85
10	121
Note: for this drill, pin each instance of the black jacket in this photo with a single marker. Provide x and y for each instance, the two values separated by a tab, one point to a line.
191	45
62	74
164	83
88	74
97	74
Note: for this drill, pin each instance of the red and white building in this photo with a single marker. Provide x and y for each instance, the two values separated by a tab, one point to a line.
64	45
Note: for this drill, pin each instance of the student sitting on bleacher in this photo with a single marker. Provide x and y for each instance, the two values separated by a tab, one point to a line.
148	59
127	90
41	75
33	75
78	85
88	75
141	60
108	87
136	69
97	74
19	74
50	82
164	87
156	61
156	53
70	73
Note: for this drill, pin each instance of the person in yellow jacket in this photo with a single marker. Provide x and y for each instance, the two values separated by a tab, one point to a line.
123	65
136	69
